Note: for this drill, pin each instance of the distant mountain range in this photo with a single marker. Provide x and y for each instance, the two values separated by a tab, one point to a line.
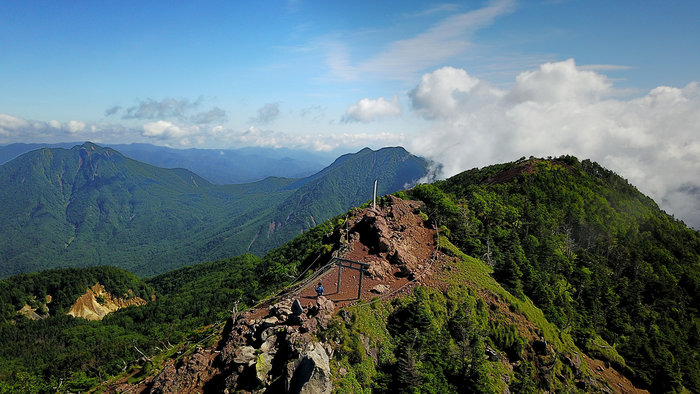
89	206
219	166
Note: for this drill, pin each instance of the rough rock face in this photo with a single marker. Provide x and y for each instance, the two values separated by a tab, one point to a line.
187	377
38	313
96	303
312	372
280	344
30	313
394	241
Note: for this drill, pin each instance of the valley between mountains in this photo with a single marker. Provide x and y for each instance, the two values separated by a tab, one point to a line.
91	206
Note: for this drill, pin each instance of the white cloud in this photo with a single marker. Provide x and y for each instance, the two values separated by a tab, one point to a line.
603	67
15	129
75	126
151	109
448	91
166	130
254	136
559	82
652	140
368	110
9	124
215	114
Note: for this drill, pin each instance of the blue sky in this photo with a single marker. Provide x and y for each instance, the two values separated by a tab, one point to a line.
73	60
464	83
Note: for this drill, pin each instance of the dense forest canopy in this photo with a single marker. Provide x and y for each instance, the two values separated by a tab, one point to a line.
593	253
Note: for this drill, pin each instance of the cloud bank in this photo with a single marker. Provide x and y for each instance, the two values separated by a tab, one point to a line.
183	134
560	108
368	110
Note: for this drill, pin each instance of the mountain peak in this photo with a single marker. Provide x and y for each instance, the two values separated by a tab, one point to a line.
418	297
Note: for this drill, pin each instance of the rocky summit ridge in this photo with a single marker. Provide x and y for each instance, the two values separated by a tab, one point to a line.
297	342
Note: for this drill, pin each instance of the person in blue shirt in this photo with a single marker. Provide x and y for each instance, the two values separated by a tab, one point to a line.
319	289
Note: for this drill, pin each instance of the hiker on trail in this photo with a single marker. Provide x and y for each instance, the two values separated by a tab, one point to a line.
319	289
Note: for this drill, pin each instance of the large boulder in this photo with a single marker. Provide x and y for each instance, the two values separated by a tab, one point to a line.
297	309
245	355
263	365
325	309
311	373
282	309
380	289
325	305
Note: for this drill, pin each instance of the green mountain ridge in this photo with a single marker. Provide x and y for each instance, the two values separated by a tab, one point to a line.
585	265
596	255
348	180
219	166
91	206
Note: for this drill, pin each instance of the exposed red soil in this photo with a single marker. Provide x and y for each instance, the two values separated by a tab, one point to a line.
617	381
393	232
505	176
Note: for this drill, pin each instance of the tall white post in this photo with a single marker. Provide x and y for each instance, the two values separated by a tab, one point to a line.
374	201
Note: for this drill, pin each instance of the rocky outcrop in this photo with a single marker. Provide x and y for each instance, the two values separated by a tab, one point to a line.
311	372
30	313
278	351
96	303
396	241
39	312
273	352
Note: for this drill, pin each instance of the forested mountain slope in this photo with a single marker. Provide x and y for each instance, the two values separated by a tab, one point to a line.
58	350
597	256
346	183
91	206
